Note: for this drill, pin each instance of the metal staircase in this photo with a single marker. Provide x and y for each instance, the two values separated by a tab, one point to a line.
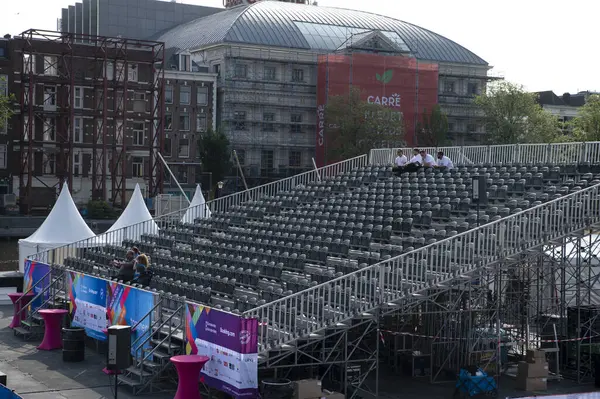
386	284
151	365
52	296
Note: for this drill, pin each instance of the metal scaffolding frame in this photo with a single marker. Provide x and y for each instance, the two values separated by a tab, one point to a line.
83	61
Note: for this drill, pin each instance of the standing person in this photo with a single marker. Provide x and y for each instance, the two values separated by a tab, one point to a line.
400	162
443	162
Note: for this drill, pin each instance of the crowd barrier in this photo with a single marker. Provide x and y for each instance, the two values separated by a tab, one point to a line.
95	303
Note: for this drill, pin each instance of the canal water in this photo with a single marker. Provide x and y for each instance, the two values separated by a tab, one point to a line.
9	255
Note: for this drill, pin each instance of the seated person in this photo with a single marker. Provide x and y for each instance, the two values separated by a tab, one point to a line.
399	162
136	252
427	159
415	162
142	271
444	162
126	268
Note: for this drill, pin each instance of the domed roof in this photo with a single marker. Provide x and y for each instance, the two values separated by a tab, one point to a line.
322	29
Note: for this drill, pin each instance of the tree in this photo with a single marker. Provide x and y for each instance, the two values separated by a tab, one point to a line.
433	130
355	126
513	116
586	125
6	102
213	149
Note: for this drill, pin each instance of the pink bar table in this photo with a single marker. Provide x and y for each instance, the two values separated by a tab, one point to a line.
52	321
188	370
18	306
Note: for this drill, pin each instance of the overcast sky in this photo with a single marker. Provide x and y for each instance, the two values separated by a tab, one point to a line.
542	44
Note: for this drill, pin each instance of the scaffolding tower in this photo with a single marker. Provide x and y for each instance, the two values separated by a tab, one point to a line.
124	82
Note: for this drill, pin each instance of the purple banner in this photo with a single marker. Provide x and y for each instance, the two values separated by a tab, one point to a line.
232	346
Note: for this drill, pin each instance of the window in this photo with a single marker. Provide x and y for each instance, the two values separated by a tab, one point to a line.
217	69
49	164
3	151
49	129
202	96
167	147
298	75
268	122
184	62
472	88
182	174
169	94
239	120
50	65
241	154
266	161
132	72
168	121
185	94
76	163
295	159
119	133
201	123
78	130
449	87
139	133
241	71
451	127
109	70
4	92
184	148
78	97
471	128
296	120
50	95
184	121
270	73
137	167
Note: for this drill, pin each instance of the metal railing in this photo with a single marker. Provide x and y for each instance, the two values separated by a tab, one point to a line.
392	280
556	153
172	220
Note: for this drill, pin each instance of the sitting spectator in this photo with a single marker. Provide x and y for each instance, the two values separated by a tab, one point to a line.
399	162
415	162
136	252
444	162
143	274
427	159
126	268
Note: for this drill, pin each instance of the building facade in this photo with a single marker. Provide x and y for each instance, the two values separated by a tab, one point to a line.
266	57
565	107
138	19
6	84
90	115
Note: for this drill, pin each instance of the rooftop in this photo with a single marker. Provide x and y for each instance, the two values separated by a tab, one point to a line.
322	29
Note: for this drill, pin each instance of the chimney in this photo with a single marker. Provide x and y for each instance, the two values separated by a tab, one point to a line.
566	98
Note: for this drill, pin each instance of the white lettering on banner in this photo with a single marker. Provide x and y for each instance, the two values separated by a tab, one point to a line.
321	119
391	101
224	331
210	327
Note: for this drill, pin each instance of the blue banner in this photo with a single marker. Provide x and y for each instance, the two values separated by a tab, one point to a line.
128	306
88	296
34	272
6	393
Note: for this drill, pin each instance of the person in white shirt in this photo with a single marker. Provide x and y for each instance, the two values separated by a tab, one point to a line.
427	160
444	162
400	162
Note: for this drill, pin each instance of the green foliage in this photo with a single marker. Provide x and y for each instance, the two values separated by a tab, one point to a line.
386	77
513	116
586	126
101	210
6	103
433	130
353	126
213	149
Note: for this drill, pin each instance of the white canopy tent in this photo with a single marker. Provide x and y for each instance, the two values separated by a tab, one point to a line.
196	210
64	225
133	222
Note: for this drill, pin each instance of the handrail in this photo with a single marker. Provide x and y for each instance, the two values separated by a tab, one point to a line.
222	204
142	319
181	307
548	153
18	301
411	272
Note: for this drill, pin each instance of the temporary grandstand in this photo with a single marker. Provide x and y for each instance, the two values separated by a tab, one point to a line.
350	268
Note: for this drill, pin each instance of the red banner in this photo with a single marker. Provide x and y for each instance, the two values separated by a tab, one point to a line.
399	83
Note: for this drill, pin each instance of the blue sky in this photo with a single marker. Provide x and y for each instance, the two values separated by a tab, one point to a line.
544	45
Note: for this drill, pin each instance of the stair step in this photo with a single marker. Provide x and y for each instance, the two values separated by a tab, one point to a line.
30	324
37	317
139	372
166	344
129	381
162	356
22	331
152	365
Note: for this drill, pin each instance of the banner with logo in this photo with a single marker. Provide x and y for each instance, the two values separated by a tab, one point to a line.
6	393
34	272
588	395
128	306
87	296
231	344
405	86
